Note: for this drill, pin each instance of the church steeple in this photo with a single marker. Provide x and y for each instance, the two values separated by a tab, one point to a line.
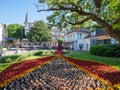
26	18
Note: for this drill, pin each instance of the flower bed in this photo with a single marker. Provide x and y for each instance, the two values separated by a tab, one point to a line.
20	69
104	72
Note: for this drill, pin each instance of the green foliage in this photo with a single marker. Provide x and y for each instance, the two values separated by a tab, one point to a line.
38	53
20	57
106	50
10	42
75	13
9	59
107	10
60	41
93	49
15	31
39	32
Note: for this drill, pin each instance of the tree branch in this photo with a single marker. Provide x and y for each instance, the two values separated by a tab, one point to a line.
79	11
78	22
99	21
116	21
98	3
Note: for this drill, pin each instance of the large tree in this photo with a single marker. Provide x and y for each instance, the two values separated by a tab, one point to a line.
105	13
39	32
15	31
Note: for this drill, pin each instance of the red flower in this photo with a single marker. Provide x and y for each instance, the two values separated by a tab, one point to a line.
103	71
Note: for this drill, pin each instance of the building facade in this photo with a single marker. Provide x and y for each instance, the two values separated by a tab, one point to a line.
3	34
56	33
99	37
75	39
82	39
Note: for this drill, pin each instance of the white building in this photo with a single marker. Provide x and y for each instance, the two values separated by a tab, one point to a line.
82	40
56	33
3	34
99	37
75	39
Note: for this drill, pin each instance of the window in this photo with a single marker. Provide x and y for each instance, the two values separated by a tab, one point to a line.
80	36
94	42
77	35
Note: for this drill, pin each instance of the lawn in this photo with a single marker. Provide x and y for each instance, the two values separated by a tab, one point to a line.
87	56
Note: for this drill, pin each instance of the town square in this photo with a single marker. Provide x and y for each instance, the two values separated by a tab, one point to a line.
60	45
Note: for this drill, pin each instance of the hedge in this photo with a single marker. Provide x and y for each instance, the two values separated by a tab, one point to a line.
112	50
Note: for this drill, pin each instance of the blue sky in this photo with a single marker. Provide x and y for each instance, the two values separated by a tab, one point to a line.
14	11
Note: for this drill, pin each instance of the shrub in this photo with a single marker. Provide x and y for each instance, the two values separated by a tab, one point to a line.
37	53
60	41
19	57
93	49
100	49
9	59
13	58
106	50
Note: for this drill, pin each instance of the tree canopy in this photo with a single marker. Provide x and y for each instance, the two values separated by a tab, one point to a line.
15	31
39	32
106	13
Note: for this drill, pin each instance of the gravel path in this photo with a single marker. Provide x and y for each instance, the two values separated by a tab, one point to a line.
56	75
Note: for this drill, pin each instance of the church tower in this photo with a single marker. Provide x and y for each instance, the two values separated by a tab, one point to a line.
27	24
26	18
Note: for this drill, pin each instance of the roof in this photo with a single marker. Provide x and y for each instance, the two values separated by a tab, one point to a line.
98	33
79	30
82	30
26	18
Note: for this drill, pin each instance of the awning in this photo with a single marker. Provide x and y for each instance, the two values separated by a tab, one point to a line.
104	37
9	39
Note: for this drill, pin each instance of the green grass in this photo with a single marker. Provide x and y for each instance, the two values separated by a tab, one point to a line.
87	56
4	66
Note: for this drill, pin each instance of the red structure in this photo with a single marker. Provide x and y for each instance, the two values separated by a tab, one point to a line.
59	50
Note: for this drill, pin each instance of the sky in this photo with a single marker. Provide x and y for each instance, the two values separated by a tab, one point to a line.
14	11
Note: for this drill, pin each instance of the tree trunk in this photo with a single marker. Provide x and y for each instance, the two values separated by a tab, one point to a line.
108	28
113	33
